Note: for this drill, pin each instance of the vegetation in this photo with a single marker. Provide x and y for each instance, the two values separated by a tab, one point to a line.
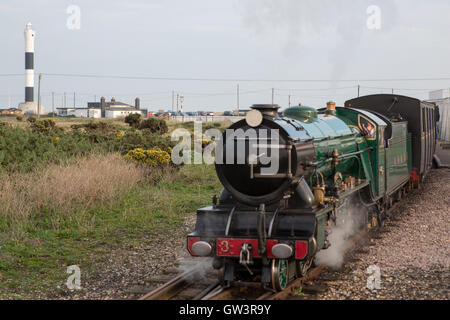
154	157
70	191
154	125
133	120
42	143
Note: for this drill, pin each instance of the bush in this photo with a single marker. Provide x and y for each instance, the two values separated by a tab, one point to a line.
31	119
19	118
43	126
154	125
133	120
96	127
25	149
143	139
154	157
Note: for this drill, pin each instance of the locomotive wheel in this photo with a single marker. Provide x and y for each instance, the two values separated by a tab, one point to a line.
280	274
302	267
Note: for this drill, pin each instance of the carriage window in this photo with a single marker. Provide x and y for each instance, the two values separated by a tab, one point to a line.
430	119
423	120
381	137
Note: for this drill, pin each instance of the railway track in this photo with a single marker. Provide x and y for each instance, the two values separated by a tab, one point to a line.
189	285
192	285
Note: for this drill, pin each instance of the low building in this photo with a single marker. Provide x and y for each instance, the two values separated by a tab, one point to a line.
11	112
240	112
103	109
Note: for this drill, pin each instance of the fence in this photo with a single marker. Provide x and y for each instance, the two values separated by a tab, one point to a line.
205	118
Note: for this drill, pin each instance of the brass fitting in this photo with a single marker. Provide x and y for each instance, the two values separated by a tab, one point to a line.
319	189
335	156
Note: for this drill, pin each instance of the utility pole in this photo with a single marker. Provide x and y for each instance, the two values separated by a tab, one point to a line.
53	104
173	97
289	101
178	96
392	90
39	96
238	99
358	90
273	91
64	99
74	100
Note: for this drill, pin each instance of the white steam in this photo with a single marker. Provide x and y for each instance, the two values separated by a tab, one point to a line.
351	217
203	266
337	26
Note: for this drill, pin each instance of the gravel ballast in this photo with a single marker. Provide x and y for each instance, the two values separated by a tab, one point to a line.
412	252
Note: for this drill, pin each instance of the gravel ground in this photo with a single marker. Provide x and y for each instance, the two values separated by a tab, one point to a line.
128	270
412	251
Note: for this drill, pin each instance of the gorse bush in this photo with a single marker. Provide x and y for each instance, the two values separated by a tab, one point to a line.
43	126
96	127
25	149
154	125
154	157
133	120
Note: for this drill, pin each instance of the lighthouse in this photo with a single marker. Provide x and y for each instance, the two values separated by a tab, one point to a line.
29	106
29	63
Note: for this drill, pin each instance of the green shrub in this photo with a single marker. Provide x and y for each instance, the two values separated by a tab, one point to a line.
31	119
43	126
19	118
154	125
142	139
133	120
24	149
96	127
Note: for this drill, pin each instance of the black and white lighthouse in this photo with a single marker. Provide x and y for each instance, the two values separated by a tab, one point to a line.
29	106
29	63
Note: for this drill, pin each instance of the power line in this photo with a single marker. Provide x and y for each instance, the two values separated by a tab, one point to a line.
317	89
401	89
236	79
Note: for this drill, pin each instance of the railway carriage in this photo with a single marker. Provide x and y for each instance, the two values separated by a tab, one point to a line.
267	227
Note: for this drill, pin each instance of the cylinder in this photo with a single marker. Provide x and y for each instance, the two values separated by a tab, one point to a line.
29	63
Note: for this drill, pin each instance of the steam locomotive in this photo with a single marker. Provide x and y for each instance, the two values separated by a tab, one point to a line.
268	225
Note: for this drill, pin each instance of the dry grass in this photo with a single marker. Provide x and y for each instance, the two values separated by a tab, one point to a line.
84	183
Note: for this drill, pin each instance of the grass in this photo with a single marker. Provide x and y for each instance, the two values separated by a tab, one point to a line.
298	292
37	246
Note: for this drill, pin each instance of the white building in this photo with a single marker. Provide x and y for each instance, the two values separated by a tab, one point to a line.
103	109
120	112
442	100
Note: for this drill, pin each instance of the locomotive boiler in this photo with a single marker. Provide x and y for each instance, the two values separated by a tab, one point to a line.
285	177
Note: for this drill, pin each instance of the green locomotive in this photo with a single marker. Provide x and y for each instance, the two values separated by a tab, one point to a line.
269	225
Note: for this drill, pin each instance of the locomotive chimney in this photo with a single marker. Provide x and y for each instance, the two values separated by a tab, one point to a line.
269	111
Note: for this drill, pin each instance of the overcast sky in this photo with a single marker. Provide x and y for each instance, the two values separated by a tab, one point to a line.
226	39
